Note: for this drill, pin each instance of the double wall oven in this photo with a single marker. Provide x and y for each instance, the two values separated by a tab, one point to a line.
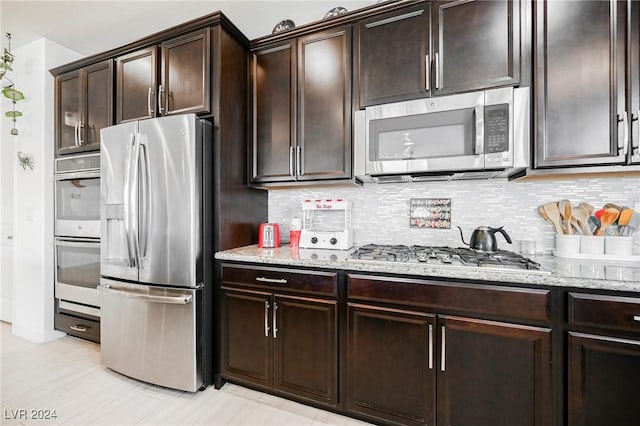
77	245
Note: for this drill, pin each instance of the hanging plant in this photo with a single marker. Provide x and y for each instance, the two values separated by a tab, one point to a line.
10	92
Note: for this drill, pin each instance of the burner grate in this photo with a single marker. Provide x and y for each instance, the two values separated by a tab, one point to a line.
442	255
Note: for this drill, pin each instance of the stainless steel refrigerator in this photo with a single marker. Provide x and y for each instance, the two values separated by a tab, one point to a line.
156	232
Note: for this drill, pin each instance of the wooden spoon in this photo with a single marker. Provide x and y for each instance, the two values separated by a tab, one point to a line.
588	207
581	216
565	212
606	219
623	220
552	214
544	215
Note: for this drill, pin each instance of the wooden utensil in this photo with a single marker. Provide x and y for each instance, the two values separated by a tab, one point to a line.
607	218
581	217
588	207
564	206
552	214
544	215
623	220
612	206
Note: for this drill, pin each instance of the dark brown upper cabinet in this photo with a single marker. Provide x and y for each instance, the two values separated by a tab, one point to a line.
438	48
83	100
172	78
584	105
394	53
476	44
302	109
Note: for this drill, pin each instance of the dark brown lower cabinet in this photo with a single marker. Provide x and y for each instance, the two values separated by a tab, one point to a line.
280	342
390	365
399	363
604	381
493	374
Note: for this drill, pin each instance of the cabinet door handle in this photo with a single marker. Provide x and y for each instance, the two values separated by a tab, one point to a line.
272	280
636	318
427	72
266	318
80	127
635	144
291	160
442	364
624	142
161	110
438	84
430	347
80	328
299	160
75	133
275	319
150	96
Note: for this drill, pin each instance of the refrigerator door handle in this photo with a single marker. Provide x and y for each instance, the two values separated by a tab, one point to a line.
168	300
127	198
135	199
145	199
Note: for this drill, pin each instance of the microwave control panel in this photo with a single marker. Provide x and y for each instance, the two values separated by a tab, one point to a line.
496	128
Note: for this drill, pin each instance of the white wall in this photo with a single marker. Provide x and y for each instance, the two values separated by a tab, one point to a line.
32	226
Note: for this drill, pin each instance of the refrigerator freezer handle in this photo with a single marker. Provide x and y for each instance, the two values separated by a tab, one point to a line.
169	300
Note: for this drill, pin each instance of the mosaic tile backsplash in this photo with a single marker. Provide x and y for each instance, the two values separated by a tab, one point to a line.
381	212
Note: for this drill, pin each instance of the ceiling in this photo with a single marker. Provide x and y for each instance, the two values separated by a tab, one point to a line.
91	26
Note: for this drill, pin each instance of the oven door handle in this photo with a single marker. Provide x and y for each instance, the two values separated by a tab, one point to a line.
76	176
169	300
66	242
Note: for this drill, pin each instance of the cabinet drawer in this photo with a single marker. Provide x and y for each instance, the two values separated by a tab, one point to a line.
313	282
613	312
517	303
78	327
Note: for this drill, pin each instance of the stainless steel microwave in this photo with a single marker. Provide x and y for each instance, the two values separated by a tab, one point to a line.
474	135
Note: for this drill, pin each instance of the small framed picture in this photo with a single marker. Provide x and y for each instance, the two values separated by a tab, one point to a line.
430	213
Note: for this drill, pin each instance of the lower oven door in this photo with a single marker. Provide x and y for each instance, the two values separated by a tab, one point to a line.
149	333
77	273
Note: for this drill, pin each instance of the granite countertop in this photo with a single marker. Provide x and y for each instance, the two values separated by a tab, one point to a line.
555	271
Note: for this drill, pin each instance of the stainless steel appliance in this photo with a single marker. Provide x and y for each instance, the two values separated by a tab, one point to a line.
471	135
77	196
156	190
77	245
445	256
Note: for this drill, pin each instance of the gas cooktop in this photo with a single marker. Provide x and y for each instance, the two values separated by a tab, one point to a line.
435	255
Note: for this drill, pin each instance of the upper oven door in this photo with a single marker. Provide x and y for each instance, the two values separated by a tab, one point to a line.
77	204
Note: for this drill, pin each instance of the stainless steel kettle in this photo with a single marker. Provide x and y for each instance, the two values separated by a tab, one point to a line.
483	238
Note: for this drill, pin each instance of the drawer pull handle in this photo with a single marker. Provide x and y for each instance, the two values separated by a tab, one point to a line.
272	280
636	318
79	328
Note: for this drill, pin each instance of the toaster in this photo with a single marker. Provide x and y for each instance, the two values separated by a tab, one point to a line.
269	235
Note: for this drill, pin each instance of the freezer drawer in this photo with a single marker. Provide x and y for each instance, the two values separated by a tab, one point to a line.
149	333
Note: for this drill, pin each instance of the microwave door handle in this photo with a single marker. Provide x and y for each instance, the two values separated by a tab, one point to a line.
479	121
